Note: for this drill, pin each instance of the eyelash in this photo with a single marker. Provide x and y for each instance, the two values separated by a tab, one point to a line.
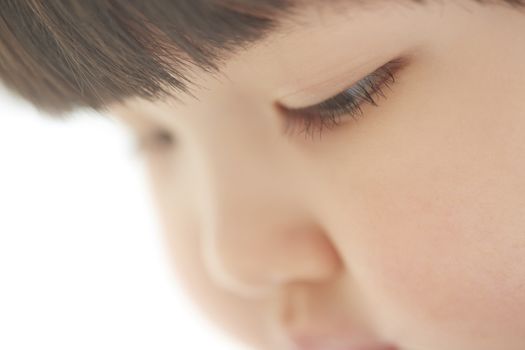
331	112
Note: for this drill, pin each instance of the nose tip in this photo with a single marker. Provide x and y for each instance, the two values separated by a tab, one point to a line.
260	260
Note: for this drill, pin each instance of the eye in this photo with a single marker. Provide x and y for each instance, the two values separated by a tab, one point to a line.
347	104
156	140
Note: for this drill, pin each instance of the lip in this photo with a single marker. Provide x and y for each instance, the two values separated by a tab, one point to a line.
306	342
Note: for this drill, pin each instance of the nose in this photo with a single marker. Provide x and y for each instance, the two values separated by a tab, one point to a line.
257	231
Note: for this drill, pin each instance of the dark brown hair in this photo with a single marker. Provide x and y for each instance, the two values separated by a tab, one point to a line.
63	54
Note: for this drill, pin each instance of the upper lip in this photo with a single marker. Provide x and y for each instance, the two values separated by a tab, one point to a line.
337	342
306	325
319	335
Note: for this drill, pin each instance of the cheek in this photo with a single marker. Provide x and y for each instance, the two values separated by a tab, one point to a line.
440	230
445	264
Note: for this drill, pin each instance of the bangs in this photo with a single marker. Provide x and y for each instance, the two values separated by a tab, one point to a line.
64	54
60	55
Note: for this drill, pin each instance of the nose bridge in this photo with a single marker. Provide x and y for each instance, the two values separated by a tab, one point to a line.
258	232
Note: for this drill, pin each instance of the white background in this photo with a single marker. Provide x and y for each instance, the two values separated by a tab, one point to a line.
81	259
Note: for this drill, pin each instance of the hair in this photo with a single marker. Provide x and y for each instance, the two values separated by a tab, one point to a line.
64	54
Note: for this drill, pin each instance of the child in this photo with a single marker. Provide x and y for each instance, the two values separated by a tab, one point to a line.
331	174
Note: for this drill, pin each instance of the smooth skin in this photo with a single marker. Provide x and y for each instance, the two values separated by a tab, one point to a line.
407	225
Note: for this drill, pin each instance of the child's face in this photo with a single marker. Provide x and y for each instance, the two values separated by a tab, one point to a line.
405	227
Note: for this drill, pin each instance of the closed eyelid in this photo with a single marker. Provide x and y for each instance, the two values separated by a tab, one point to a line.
345	105
382	74
317	92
